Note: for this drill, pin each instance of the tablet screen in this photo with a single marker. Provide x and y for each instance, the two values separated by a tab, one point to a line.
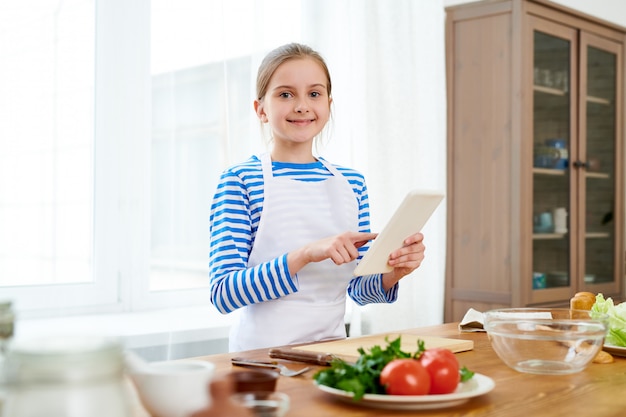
409	218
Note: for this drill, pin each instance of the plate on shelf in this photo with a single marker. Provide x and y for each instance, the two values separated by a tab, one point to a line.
478	385
615	350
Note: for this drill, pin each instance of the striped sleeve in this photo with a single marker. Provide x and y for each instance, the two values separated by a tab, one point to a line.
234	218
369	289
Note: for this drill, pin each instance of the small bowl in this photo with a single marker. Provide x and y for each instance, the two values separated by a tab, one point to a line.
254	380
552	341
263	403
174	389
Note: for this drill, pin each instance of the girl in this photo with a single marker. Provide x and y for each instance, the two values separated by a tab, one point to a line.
287	227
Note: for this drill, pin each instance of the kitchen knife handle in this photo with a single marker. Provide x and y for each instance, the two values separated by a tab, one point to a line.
323	359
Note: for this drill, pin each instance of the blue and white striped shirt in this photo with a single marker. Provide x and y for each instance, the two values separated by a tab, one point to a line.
235	214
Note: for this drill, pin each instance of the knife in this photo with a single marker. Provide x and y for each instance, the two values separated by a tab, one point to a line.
315	358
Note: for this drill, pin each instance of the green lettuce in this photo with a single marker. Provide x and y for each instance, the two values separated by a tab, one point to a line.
616	335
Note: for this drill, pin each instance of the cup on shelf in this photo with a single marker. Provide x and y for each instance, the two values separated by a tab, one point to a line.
561	80
543	223
546	78
560	145
539	280
546	157
559	215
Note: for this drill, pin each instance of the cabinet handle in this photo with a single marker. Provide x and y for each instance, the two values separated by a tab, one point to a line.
580	164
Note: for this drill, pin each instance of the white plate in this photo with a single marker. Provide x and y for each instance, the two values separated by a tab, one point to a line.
478	385
615	350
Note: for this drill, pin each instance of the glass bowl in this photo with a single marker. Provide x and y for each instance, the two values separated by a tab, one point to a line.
263	403
555	341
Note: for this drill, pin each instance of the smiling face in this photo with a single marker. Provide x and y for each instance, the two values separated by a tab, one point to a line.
296	105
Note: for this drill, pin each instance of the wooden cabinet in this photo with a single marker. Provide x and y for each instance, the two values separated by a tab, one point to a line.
535	155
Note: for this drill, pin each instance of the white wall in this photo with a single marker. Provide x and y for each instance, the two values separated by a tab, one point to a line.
613	11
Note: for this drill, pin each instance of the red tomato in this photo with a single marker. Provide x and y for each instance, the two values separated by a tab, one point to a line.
443	368
405	377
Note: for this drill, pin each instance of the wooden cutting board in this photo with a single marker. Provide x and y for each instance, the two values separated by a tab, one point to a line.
348	348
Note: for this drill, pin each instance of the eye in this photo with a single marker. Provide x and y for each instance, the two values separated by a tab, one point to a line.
316	94
285	94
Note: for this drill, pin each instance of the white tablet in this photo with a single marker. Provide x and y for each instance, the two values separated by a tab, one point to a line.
409	218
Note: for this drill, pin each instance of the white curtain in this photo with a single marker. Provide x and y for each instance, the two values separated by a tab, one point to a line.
387	62
387	65
388	70
189	68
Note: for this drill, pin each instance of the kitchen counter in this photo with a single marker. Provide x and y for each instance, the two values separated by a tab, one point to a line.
599	390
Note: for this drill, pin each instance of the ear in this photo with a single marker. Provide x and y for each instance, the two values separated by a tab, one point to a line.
259	109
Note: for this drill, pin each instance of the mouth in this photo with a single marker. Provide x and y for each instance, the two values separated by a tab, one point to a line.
301	122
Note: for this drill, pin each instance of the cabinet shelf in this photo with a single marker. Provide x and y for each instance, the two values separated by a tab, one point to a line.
562	93
550	90
598	100
548	236
549	171
597	235
599	175
556	236
562	172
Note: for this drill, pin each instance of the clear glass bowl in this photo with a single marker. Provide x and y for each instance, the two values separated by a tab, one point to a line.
553	341
263	403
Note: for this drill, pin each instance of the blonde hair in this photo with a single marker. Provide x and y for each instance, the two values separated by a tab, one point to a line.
281	55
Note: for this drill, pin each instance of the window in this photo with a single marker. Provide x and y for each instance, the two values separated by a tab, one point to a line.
47	150
121	116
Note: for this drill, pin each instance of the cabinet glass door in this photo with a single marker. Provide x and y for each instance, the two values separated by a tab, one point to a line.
553	143
598	163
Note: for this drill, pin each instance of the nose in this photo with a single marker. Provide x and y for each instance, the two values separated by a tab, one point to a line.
301	107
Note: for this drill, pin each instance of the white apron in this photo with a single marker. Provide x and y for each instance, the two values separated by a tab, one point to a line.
296	213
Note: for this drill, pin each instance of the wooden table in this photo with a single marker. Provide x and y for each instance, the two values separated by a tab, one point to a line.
599	390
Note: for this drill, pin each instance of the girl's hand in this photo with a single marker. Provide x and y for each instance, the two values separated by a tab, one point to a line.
405	260
341	249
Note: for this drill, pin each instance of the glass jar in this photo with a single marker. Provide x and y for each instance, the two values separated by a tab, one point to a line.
66	377
7	326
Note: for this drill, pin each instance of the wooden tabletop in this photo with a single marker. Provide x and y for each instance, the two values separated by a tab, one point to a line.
599	390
